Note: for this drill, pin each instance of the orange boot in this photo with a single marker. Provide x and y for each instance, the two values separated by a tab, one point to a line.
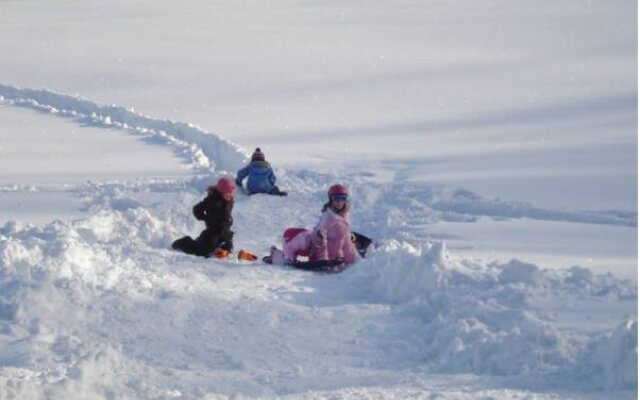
246	255
221	253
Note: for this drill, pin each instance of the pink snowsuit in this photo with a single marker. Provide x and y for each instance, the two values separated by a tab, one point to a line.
301	242
336	228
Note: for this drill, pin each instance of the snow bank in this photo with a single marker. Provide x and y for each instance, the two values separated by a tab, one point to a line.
82	299
483	319
55	286
611	361
466	202
206	150
40	315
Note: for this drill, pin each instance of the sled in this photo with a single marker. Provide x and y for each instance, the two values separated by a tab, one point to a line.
361	242
319	265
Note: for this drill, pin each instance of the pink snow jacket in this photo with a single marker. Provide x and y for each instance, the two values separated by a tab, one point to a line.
301	242
336	228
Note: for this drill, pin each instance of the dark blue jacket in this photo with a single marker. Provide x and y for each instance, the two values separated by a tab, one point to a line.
261	177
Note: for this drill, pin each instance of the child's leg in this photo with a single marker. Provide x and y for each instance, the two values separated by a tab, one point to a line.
186	244
275	190
207	242
277	256
226	241
295	245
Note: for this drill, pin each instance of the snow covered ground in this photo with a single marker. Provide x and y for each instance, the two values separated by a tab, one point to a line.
491	149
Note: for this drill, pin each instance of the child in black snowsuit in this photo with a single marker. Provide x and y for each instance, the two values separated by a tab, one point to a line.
215	211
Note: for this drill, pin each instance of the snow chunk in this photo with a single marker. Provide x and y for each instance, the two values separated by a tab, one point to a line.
516	271
612	360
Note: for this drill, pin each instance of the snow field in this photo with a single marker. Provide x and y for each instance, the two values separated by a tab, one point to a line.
101	308
532	102
116	300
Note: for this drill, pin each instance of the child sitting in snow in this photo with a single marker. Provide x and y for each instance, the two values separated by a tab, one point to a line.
335	225
261	176
215	211
329	246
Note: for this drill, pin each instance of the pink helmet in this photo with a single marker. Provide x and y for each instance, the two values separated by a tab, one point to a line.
225	185
337	189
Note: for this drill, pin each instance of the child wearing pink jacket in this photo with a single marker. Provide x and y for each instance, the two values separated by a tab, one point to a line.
335	226
330	240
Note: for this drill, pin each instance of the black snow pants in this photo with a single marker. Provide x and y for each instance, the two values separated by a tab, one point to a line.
205	244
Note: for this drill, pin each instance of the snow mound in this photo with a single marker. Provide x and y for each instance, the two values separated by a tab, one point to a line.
516	271
483	319
612	360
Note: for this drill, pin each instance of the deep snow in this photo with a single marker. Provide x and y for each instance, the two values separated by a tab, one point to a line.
527	101
100	307
508	192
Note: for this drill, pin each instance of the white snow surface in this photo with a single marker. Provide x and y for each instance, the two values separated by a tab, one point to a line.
459	118
100	307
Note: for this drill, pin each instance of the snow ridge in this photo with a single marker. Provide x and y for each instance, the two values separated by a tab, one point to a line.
207	150
463	202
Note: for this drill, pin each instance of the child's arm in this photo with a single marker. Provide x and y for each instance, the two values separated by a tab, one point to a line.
272	177
242	173
199	211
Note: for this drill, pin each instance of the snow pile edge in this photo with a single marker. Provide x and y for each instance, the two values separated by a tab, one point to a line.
483	319
208	150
